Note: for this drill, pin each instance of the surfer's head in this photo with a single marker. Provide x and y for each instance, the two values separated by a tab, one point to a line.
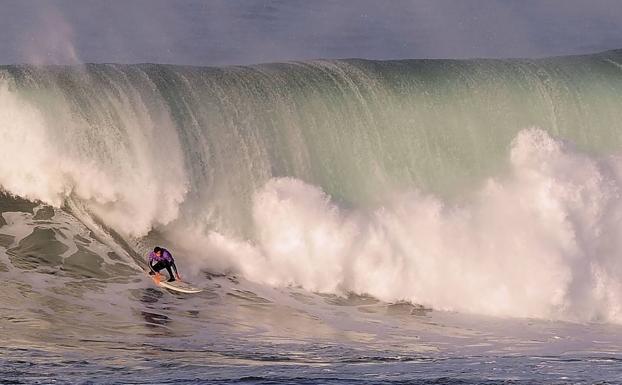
157	251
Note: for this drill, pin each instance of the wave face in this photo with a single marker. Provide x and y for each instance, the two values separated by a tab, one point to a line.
421	180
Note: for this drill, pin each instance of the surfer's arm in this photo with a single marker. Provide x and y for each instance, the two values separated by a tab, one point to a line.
150	263
175	269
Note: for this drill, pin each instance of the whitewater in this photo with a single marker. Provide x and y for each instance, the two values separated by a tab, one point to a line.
350	221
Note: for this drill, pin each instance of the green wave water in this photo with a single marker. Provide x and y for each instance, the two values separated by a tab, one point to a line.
356	128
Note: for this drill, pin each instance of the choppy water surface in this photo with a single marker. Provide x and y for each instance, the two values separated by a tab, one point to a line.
74	311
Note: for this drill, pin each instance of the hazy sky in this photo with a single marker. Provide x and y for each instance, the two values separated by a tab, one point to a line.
252	31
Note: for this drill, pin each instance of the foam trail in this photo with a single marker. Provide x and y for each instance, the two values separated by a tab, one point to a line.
540	242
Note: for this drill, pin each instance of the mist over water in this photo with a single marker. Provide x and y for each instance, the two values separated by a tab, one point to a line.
416	180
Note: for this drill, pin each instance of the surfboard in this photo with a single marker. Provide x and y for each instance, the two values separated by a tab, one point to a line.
179	286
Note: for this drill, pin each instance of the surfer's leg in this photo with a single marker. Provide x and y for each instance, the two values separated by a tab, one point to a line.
170	272
158	266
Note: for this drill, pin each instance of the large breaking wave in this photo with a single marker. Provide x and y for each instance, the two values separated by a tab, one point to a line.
488	186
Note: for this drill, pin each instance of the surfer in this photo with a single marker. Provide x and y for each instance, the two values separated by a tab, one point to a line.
161	258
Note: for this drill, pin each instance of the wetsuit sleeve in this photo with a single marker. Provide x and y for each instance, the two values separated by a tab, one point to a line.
171	260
